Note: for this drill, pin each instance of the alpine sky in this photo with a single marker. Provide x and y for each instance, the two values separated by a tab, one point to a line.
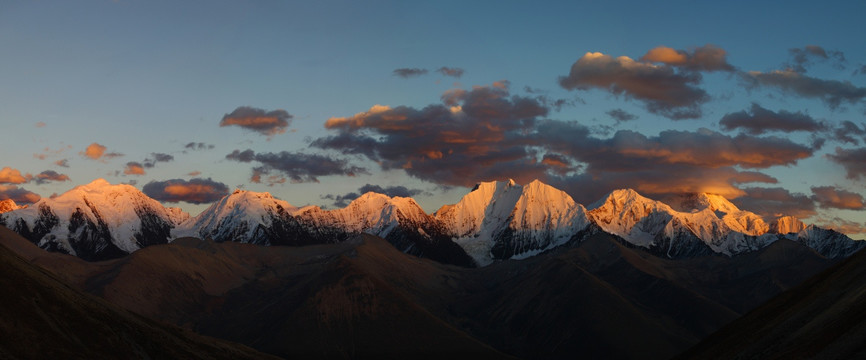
318	102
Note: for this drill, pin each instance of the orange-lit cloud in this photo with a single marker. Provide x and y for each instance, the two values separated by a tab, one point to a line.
665	91
831	197
62	163
133	168
13	176
96	151
268	123
473	135
194	191
40	124
194	173
704	58
48	152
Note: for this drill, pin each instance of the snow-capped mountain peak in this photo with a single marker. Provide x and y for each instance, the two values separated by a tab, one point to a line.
787	225
95	220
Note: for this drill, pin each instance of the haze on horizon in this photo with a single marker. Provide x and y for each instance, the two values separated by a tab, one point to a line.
318	103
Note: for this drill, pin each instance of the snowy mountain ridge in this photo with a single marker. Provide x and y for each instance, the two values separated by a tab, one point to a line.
496	220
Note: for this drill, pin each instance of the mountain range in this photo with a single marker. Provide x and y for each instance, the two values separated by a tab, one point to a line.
495	221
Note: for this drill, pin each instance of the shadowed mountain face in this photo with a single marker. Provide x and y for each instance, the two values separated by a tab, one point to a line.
822	318
43	318
598	298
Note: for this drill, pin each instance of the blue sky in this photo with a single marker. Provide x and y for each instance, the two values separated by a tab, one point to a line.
147	78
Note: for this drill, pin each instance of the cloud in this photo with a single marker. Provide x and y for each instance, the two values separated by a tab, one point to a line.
853	160
50	175
831	92
154	158
18	195
194	173
705	58
772	203
13	176
451	71
341	201
663	90
704	148
264	122
846	132
409	72
841	225
488	134
133	168
62	163
472	135
194	191
298	167
759	120
621	115
800	58
830	197
96	151
48	152
198	146
40	124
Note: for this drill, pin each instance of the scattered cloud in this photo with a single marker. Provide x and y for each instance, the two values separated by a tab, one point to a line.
50	175
264	122
198	146
451	71
831	197
194	191
133	168
663	90
758	120
18	195
9	175
409	72
806	56
621	115
154	158
194	173
831	92
298	167
853	160
40	124
62	163
772	203
96	151
705	58
48	152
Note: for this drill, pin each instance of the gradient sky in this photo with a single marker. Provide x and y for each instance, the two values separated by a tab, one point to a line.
316	102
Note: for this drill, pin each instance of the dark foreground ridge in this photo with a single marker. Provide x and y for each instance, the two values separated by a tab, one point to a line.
597	298
822	318
44	318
